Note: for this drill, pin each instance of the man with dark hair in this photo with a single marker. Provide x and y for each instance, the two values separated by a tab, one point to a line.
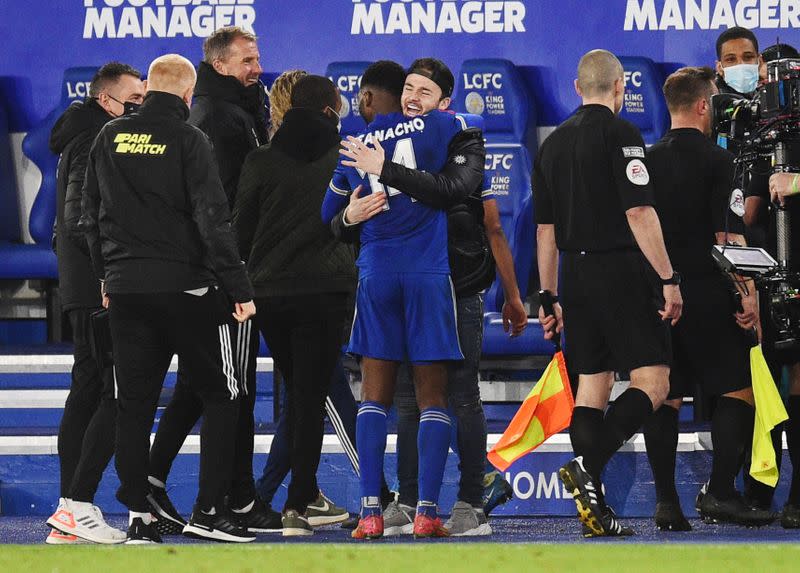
738	61
596	222
301	275
473	219
404	276
229	107
158	227
86	433
697	208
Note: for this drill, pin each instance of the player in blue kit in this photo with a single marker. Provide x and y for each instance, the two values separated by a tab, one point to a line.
405	305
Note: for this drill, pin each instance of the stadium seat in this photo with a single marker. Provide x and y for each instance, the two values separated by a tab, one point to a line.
645	105
347	77
19	261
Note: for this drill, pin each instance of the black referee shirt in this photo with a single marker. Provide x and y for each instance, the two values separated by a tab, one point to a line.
759	187
695	198
588	172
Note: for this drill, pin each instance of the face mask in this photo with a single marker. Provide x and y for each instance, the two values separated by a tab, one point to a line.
338	118
742	77
128	107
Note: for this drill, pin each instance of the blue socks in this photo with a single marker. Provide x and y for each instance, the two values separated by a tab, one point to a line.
371	444
433	441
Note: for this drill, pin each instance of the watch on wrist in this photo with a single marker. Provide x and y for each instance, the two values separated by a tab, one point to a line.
675	279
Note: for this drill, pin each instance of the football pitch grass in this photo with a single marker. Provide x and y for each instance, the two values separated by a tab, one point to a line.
409	558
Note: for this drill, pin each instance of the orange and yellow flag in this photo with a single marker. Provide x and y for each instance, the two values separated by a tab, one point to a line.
545	411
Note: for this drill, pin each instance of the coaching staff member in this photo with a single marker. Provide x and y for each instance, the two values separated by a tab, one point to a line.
698	207
158	227
594	204
230	108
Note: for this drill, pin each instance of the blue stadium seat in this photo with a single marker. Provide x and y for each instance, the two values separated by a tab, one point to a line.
645	105
347	77
37	261
18	261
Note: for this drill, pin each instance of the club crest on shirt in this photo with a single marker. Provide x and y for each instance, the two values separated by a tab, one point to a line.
737	202
633	152
637	172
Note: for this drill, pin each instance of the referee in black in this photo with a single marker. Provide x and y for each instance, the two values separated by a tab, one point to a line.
698	208
158	227
594	204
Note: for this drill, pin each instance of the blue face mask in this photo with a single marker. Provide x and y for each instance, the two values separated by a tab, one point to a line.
742	77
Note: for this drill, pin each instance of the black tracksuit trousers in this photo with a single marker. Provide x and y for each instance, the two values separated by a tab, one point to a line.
147	330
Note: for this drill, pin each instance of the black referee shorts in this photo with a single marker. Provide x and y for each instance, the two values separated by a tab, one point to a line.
709	348
611	322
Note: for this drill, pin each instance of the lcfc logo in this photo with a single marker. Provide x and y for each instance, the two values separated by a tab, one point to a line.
474	103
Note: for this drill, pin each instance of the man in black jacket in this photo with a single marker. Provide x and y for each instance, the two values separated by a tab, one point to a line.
158	227
301	275
86	433
229	107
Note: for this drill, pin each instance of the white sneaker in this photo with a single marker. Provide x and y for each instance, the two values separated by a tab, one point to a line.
89	524
62	519
398	519
55	537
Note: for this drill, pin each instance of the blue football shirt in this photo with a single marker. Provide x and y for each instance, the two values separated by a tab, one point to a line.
407	236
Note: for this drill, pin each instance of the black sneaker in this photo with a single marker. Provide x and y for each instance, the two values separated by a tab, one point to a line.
217	527
733	510
170	522
260	519
611	524
590	506
790	516
351	522
140	533
669	517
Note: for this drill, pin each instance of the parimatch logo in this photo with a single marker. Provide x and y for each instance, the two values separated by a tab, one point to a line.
138	144
164	18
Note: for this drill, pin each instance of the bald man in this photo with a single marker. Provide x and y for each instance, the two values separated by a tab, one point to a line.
158	227
594	205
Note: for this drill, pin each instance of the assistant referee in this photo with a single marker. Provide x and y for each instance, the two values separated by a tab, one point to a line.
594	204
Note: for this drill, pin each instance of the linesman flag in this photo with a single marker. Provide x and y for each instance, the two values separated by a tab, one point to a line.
769	413
546	411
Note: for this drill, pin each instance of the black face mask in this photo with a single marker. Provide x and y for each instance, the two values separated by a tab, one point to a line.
128	107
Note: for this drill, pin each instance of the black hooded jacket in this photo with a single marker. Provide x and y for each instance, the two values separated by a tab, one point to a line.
234	117
154	212
72	138
289	251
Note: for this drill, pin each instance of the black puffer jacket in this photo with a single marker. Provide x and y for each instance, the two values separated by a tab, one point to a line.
289	251
72	138
234	117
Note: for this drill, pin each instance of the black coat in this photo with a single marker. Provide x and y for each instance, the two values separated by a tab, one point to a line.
289	251
154	212
233	117
72	137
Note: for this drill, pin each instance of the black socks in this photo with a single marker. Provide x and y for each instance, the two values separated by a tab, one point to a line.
661	440
793	442
731	427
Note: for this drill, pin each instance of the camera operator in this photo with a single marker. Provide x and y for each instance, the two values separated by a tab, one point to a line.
692	179
765	192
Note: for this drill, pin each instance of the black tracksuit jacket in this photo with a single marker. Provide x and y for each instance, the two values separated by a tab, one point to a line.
154	211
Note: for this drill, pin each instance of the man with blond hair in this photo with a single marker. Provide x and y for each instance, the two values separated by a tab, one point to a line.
158	227
594	205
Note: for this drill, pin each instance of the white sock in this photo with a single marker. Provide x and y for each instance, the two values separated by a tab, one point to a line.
156	482
147	518
246	508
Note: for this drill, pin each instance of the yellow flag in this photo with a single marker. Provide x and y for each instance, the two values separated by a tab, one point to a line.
769	413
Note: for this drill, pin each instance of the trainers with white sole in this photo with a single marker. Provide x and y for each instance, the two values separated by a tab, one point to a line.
85	520
466	520
398	519
323	511
55	537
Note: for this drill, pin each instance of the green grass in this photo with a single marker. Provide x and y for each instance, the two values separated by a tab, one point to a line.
409	558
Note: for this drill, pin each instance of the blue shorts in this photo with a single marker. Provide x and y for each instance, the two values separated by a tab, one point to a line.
405	317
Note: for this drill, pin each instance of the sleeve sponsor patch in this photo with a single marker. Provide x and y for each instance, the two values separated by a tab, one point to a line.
637	172
737	202
633	152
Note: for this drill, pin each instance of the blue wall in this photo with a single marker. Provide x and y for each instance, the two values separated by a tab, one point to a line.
43	37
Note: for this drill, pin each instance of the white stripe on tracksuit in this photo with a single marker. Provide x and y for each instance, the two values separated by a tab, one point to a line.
341	433
243	334
227	360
